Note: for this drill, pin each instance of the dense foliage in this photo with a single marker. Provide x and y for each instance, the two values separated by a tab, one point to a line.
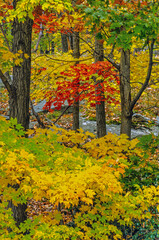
102	52
108	186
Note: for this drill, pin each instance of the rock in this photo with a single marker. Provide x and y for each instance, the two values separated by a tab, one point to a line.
5	116
1	84
140	118
33	124
157	121
39	107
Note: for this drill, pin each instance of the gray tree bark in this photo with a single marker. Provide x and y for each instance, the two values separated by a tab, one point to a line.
125	93
76	54
64	42
19	211
100	106
19	91
127	104
20	88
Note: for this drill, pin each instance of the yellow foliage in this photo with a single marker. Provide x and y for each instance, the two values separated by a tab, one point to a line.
76	178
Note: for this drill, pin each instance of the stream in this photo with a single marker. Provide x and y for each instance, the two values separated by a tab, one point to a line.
90	126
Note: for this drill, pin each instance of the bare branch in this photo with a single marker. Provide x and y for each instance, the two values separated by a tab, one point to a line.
106	57
155	106
84	53
61	60
145	84
38	41
62	114
36	115
6	82
105	32
137	82
110	55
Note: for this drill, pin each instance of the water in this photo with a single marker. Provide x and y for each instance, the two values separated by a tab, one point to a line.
90	126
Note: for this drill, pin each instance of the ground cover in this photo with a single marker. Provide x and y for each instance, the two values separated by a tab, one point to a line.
77	186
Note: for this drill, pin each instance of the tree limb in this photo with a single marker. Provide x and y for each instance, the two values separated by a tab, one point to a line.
61	60
62	114
36	115
117	66
145	84
6	40
38	41
67	108
6	83
110	55
155	106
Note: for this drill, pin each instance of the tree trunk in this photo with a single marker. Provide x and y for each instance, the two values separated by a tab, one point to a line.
19	97
64	41
19	91
100	105
52	47
76	54
71	41
19	212
125	93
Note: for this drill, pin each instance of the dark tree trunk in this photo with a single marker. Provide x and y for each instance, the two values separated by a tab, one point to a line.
19	212
19	97
64	41
100	106
125	93
71	40
76	54
41	40
19	90
52	47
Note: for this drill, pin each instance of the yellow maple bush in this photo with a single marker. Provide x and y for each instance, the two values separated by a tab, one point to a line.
83	181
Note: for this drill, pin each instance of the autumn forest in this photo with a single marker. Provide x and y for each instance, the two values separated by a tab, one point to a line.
79	119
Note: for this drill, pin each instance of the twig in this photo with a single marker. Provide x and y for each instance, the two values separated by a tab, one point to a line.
67	108
144	86
148	108
7	42
62	113
110	55
102	28
38	41
84	53
61	60
36	115
5	82
106	57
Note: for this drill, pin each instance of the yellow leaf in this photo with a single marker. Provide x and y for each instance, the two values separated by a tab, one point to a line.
90	193
26	55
